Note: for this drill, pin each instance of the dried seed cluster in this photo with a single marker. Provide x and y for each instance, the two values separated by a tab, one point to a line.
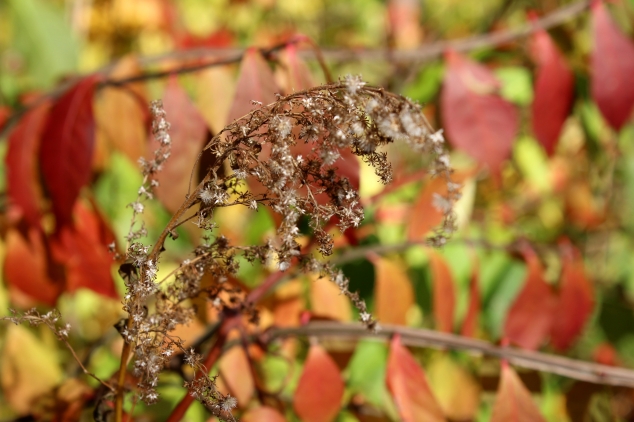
290	156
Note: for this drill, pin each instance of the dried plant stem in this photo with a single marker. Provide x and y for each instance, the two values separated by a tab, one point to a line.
210	360
419	337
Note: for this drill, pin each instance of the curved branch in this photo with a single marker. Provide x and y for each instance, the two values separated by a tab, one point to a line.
419	337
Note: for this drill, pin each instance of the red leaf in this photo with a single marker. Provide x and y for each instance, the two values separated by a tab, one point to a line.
470	323
444	291
5	113
320	389
255	83
188	131
298	76
67	147
476	119
530	318
513	402
406	381
263	414
25	266
612	67
576	299
23	185
553	91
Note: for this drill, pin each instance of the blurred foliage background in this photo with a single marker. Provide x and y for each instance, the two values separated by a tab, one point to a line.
584	192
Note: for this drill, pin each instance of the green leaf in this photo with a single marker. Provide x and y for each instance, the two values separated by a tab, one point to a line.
45	40
516	84
366	371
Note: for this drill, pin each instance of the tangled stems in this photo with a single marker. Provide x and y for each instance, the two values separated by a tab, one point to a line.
286	156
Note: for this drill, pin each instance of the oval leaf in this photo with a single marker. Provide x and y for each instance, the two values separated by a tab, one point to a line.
406	381
391	286
576	299
235	370
327	301
553	91
23	185
513	402
320	389
444	292
530	318
612	67
470	323
67	147
456	389
476	119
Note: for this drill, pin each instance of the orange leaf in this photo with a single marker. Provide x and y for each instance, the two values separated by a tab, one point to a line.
404	23
297	75
320	389
327	301
530	318
393	292
216	87
576	299
444	292
406	381
513	401
263	414
25	266
121	113
236	375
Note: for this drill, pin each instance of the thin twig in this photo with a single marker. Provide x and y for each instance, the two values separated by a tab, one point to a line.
419	337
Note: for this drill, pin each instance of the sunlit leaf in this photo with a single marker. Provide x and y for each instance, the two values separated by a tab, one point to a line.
404	20
576	299
23	182
295	74
410	391
444	292
513	402
457	391
530	318
121	112
320	389
214	96
553	91
393	292
67	146
187	131
476	119
326	300
235	371
612	67
28	369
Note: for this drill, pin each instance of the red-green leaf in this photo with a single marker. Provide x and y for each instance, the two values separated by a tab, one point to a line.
612	67
476	119
26	266
444	292
320	389
530	318
23	185
255	83
576	299
188	131
406	381
553	91
67	146
513	402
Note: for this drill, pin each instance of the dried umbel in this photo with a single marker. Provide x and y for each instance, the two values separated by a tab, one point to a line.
285	155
